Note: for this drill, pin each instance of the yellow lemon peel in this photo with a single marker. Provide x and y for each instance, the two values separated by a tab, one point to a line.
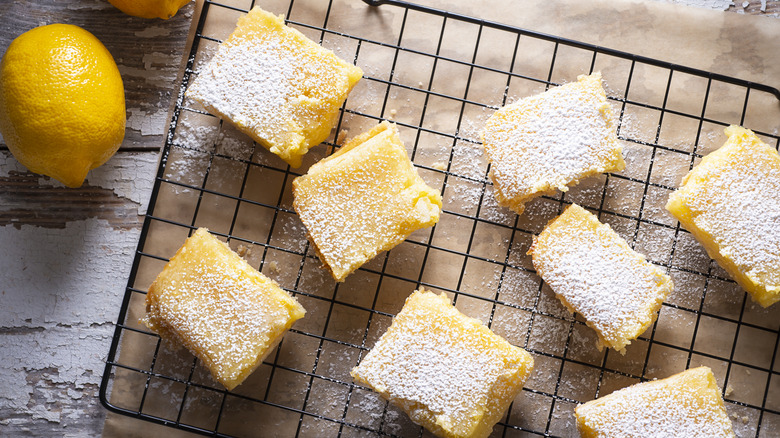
62	102
164	9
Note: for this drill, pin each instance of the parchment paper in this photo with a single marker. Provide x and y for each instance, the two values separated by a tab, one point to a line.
742	46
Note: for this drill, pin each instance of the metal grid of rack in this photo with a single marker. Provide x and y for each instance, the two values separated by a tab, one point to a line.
438	75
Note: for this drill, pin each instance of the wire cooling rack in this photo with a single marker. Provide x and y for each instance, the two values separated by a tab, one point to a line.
439	75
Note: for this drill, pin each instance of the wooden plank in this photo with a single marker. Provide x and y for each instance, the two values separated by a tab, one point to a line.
757	7
60	291
115	192
149	55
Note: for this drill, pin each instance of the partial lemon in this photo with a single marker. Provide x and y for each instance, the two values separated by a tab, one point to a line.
62	103
149	8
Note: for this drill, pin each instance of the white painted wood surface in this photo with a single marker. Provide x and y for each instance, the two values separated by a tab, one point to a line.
67	253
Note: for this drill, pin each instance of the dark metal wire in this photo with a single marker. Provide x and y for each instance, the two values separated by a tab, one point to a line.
148	374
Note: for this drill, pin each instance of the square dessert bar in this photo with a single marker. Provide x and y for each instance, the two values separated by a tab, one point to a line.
551	141
687	404
363	199
275	85
447	371
731	203
595	273
224	311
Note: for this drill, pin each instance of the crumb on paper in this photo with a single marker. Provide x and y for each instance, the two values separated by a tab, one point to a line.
729	390
440	165
243	250
273	266
341	137
745	419
393	112
420	84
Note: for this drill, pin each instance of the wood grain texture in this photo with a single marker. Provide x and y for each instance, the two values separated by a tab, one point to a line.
115	193
754	7
148	54
60	290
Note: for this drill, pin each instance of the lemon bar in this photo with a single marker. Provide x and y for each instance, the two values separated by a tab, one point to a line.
595	273
447	371
688	404
364	199
275	85
731	203
224	311
550	141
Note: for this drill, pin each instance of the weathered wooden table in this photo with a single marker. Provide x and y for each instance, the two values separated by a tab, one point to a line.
67	252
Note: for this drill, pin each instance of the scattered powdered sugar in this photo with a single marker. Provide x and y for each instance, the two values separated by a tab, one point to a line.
195	136
629	127
551	140
511	325
494	212
464	195
442	367
472	124
366	408
233	143
593	270
519	287
684	405
206	51
185	166
468	160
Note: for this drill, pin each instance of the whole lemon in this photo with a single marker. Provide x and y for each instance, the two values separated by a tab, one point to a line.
149	8
62	102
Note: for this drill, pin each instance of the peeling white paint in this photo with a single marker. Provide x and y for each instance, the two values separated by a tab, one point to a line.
129	174
147	124
60	292
720	5
9	164
157	59
49	275
92	6
160	79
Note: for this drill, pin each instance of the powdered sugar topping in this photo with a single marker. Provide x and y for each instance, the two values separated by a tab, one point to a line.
275	84
738	203
435	359
364	201
681	406
590	267
226	315
551	140
250	82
